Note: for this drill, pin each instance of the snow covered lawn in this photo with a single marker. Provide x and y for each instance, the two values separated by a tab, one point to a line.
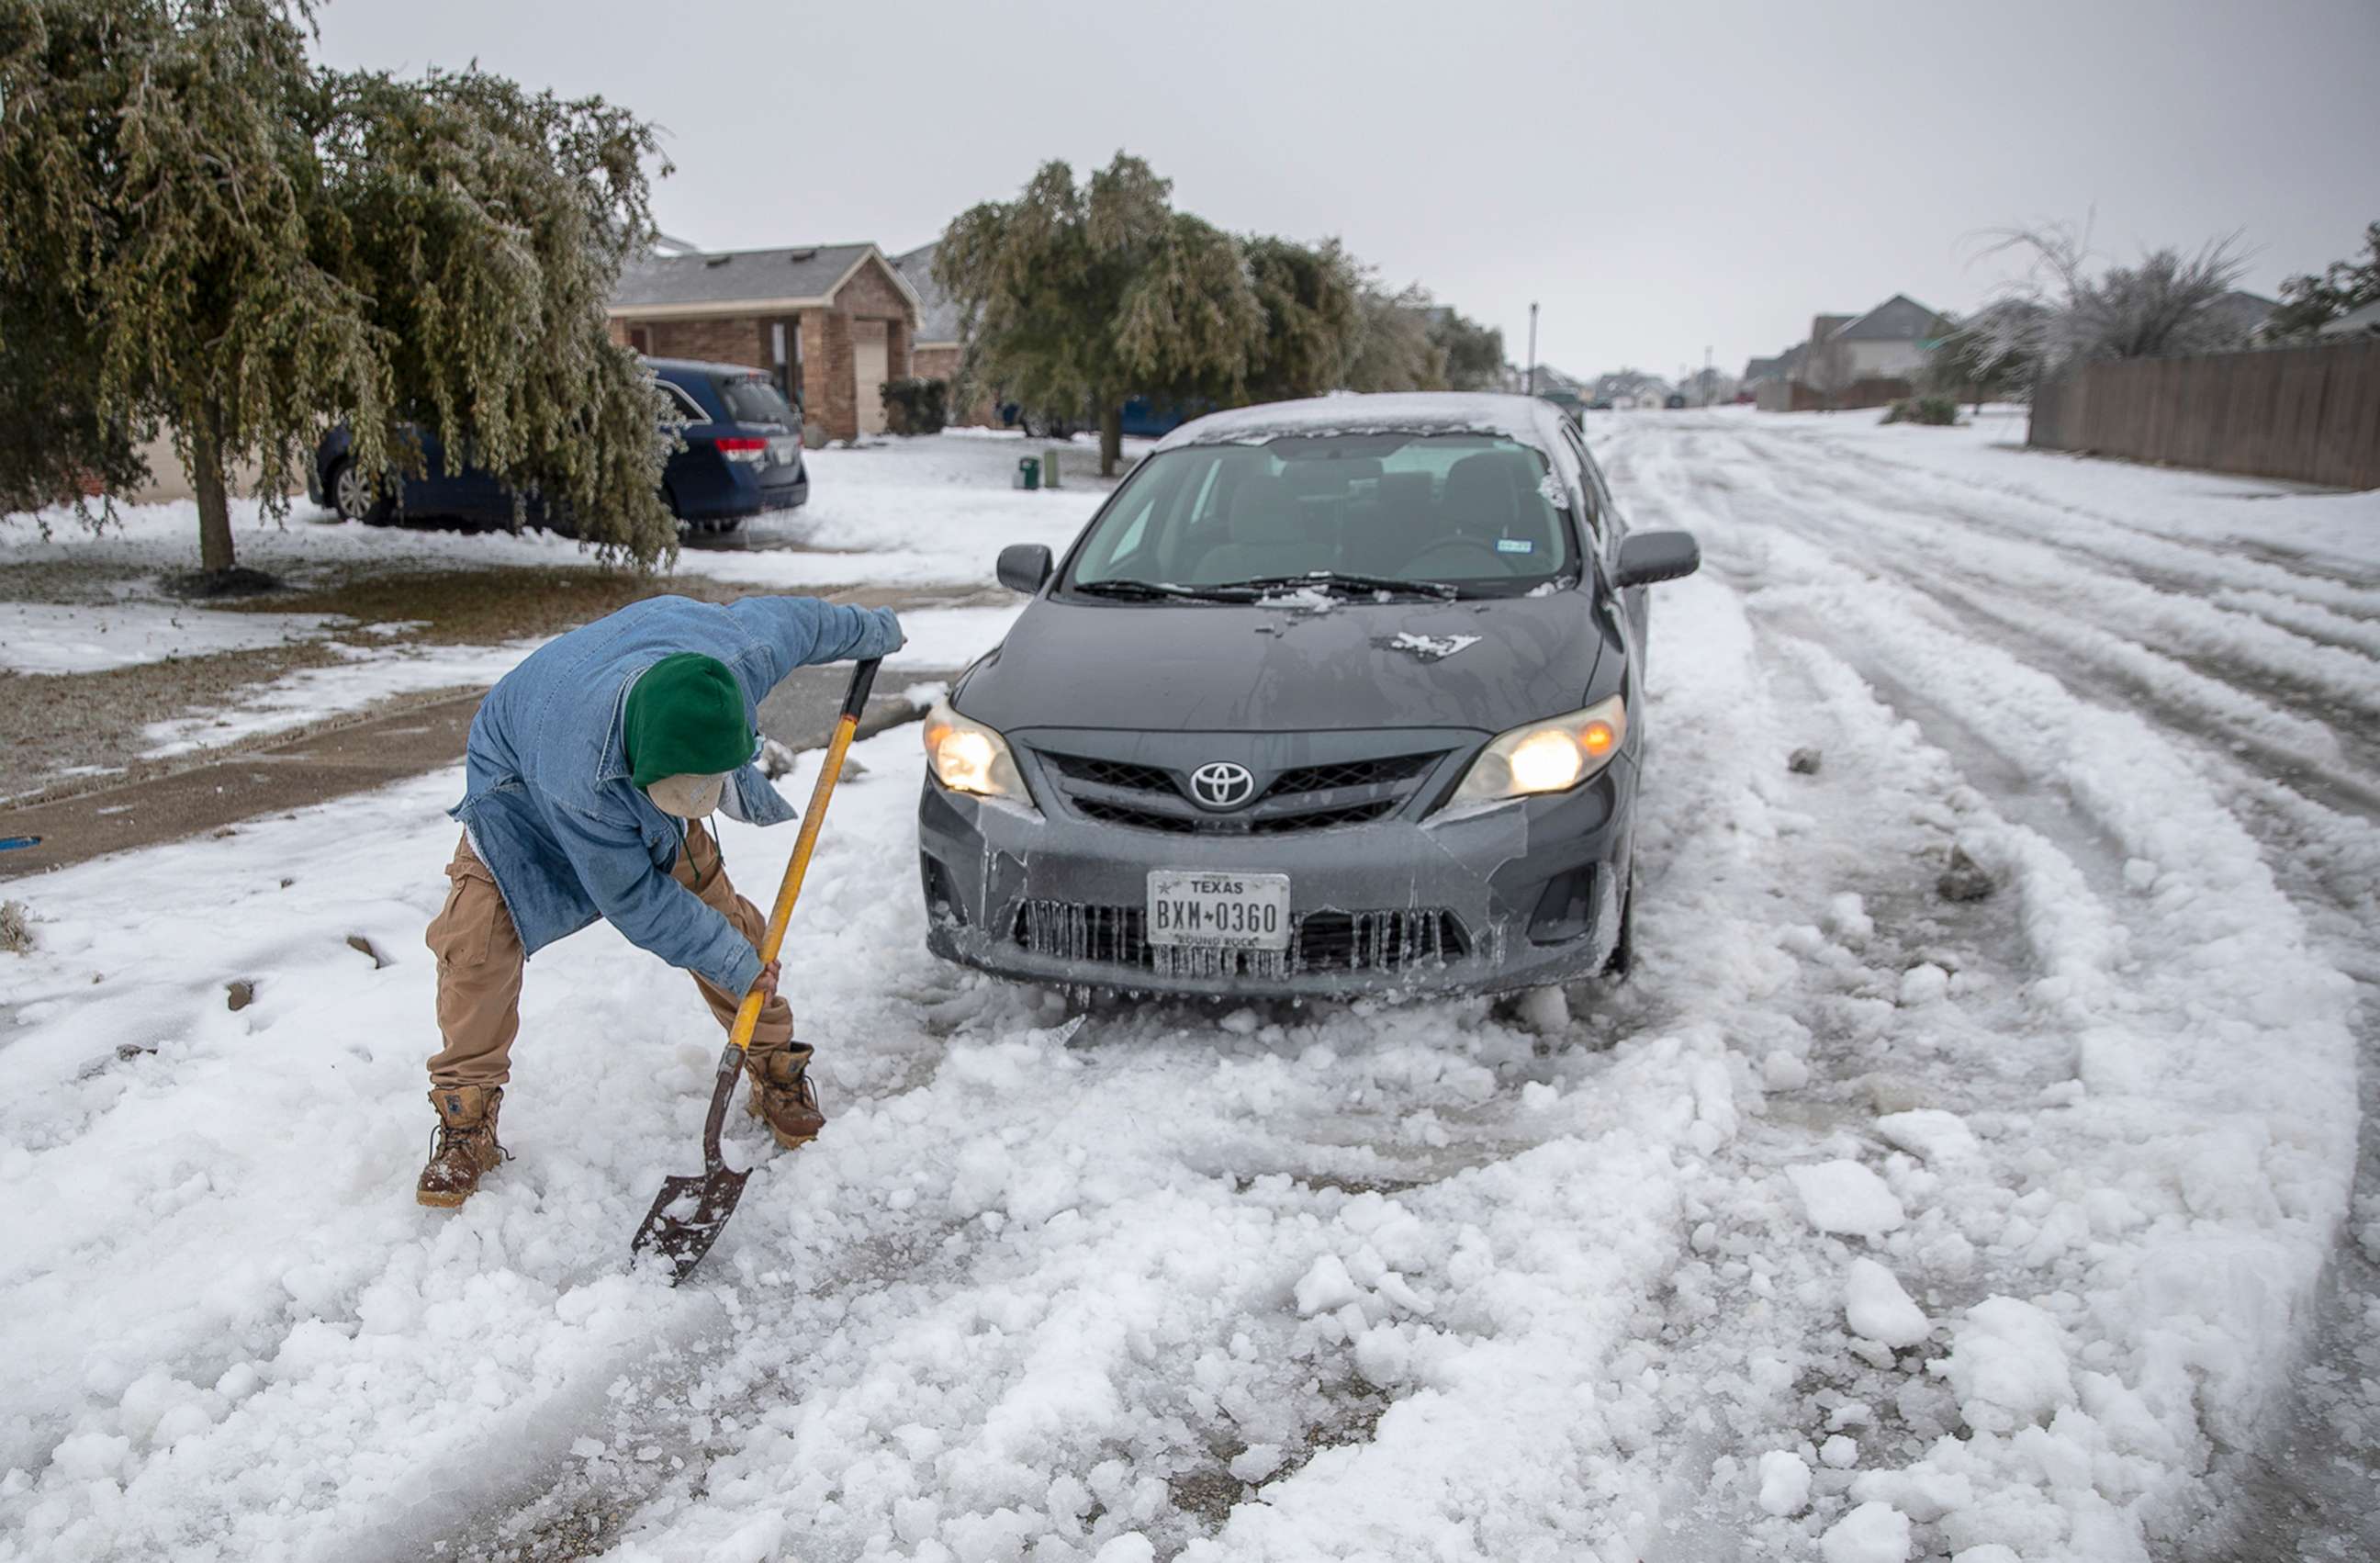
1865	1223
927	515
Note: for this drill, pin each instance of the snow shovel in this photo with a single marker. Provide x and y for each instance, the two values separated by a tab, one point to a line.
689	1213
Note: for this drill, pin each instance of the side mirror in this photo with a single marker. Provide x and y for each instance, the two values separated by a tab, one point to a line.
1649	557
1024	567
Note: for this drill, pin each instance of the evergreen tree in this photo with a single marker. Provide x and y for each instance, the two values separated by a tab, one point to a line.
1079	297
1475	353
1312	303
2309	302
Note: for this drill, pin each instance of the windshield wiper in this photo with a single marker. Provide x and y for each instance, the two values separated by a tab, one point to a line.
1345	583
1151	590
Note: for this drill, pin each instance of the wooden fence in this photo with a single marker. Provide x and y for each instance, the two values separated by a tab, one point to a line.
2311	414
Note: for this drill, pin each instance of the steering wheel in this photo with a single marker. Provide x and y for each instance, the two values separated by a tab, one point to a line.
1453	546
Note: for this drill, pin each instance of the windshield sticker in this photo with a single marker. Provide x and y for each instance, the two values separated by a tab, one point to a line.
1515	545
1430	648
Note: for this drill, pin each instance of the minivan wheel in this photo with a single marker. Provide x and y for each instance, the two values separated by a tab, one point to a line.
356	498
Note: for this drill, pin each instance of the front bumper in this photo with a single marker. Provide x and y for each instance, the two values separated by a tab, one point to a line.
1520	895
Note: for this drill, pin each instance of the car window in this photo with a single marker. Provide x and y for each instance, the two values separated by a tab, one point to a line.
1473	510
682	403
753	399
1594	517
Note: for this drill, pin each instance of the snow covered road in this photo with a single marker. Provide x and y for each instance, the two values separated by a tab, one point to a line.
1863	1224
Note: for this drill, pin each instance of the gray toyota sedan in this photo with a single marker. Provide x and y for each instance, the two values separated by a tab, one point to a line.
1330	697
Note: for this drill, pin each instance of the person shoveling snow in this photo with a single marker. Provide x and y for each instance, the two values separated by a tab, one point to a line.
589	770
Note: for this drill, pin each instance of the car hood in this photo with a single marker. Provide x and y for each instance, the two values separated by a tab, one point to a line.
1195	667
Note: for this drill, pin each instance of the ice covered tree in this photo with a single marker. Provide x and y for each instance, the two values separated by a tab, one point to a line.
1392	350
2309	302
1311	301
2077	307
203	231
1079	295
1473	353
1988	357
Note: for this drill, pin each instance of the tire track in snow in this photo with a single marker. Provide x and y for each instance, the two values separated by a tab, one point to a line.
2180	564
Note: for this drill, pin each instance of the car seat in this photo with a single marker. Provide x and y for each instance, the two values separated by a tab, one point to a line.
1270	532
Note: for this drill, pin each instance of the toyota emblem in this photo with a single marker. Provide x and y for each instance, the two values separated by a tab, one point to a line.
1222	784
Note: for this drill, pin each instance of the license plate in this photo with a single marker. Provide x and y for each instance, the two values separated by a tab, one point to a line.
781	451
1211	910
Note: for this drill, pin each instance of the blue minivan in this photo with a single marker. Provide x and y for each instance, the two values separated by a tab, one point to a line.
743	455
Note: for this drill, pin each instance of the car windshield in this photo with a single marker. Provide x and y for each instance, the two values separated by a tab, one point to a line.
1432	514
754	398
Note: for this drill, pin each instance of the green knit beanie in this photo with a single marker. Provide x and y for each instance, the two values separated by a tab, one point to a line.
686	718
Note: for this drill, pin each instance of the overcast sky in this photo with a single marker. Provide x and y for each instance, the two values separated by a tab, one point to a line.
1660	176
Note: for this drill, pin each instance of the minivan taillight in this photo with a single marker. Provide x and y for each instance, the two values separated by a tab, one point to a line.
742	447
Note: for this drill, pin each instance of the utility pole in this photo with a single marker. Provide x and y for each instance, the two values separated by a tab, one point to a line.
1533	349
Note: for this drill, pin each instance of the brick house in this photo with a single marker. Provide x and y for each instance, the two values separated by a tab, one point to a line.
942	343
832	322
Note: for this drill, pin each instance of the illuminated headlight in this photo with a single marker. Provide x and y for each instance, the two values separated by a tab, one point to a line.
1549	756
969	757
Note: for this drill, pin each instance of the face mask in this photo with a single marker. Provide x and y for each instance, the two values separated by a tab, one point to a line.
688	797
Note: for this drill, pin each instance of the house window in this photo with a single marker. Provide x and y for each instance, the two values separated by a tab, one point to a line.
785	356
640	339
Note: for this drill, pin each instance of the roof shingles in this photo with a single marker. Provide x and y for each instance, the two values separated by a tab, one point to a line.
734	277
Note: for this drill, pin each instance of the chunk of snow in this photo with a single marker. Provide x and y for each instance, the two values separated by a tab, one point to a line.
1545	1011
1839	1452
1256	1462
1326	1286
1431	648
1781	1071
1848	921
2007	1364
1924	984
1876	1308
1939	1137
1784	1482
1873	1533
1843	1196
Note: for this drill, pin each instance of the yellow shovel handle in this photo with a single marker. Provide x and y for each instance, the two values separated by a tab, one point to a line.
862	677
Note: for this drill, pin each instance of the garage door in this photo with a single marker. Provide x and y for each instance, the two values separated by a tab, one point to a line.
871	366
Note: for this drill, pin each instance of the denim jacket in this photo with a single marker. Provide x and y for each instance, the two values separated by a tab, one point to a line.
548	802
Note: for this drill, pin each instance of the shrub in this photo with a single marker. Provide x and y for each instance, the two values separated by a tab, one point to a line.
1943	410
917	407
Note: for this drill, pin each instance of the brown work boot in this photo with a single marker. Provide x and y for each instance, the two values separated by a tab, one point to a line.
466	1149
783	1095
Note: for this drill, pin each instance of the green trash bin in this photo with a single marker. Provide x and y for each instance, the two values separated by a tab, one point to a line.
1028	472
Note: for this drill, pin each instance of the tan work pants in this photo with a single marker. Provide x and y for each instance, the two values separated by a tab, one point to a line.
480	964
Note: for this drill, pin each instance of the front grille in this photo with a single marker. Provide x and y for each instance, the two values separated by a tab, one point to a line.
1323	819
1115	773
1354	773
1307	798
1395	939
1120	813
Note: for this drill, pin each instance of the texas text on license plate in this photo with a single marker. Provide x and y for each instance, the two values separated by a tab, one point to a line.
1231	911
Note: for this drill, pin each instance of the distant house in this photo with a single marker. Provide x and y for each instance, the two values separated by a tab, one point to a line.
941	345
832	322
1891	341
2356	325
2240	316
1630	388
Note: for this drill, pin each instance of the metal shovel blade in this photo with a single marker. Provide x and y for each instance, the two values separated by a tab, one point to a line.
689	1213
687	1218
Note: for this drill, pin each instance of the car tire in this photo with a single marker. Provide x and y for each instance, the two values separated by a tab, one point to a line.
1622	960
355	497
